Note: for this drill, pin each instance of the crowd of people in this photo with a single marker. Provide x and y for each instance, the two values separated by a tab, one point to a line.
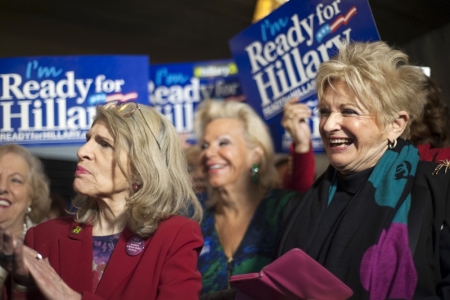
156	221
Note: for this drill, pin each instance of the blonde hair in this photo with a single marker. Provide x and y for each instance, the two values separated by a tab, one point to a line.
380	77
39	182
255	134
157	162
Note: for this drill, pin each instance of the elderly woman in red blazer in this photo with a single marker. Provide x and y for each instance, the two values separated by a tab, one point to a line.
129	238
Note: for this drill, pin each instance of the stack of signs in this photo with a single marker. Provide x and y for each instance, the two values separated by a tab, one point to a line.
278	57
52	100
176	90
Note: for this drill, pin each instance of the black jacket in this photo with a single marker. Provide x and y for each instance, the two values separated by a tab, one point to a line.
428	230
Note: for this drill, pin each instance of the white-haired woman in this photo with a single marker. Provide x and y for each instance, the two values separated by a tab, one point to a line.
243	220
129	239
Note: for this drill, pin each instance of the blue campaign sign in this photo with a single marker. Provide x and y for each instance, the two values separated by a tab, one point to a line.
51	100
278	57
176	89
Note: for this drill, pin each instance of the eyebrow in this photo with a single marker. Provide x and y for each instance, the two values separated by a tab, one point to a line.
343	105
104	138
218	137
99	136
17	174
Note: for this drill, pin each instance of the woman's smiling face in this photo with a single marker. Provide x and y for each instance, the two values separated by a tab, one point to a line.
15	191
225	156
352	139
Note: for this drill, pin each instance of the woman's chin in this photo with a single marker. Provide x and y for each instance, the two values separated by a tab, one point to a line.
79	189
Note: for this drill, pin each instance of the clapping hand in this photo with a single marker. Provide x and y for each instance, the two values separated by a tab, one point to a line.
48	281
12	257
29	269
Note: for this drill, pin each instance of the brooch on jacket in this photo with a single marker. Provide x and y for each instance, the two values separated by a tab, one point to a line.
442	163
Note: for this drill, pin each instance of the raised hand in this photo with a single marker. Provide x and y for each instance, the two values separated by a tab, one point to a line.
294	121
47	280
11	257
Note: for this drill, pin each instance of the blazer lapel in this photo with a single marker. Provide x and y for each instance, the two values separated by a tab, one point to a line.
419	196
76	257
119	266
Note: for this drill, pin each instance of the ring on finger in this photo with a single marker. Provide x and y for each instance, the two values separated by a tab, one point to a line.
38	256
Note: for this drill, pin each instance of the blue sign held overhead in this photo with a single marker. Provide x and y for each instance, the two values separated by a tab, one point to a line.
278	57
51	100
176	89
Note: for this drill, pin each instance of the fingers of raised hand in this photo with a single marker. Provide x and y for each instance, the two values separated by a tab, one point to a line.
295	117
21	272
6	241
297	112
31	257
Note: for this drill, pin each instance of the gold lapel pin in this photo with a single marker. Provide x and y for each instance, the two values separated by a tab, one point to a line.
442	163
76	230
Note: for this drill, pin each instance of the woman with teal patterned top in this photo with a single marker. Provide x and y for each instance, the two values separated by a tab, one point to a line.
242	221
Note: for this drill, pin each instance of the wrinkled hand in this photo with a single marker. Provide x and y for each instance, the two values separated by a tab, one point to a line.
11	257
48	281
294	121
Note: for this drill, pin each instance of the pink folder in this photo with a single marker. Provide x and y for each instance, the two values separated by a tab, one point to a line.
295	275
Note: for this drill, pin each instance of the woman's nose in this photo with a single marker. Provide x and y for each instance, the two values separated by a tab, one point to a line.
84	152
331	122
3	186
209	151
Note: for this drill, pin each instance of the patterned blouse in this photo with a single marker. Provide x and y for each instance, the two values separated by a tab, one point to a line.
255	250
102	248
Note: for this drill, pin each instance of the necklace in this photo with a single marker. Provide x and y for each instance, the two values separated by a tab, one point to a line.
229	258
26	224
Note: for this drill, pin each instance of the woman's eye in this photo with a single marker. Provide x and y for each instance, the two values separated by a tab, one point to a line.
348	112
324	112
17	180
104	144
224	143
204	146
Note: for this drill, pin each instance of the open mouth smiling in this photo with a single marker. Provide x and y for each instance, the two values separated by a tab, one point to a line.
341	142
215	167
5	203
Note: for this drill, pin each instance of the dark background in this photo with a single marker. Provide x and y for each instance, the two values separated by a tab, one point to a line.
171	30
182	31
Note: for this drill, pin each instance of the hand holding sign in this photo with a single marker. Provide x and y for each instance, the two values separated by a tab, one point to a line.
294	121
278	57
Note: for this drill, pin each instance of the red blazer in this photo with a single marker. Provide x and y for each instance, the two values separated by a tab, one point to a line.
165	269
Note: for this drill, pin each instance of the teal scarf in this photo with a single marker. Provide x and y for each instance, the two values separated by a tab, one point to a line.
365	244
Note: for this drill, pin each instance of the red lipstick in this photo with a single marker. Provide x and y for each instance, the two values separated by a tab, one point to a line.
80	170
